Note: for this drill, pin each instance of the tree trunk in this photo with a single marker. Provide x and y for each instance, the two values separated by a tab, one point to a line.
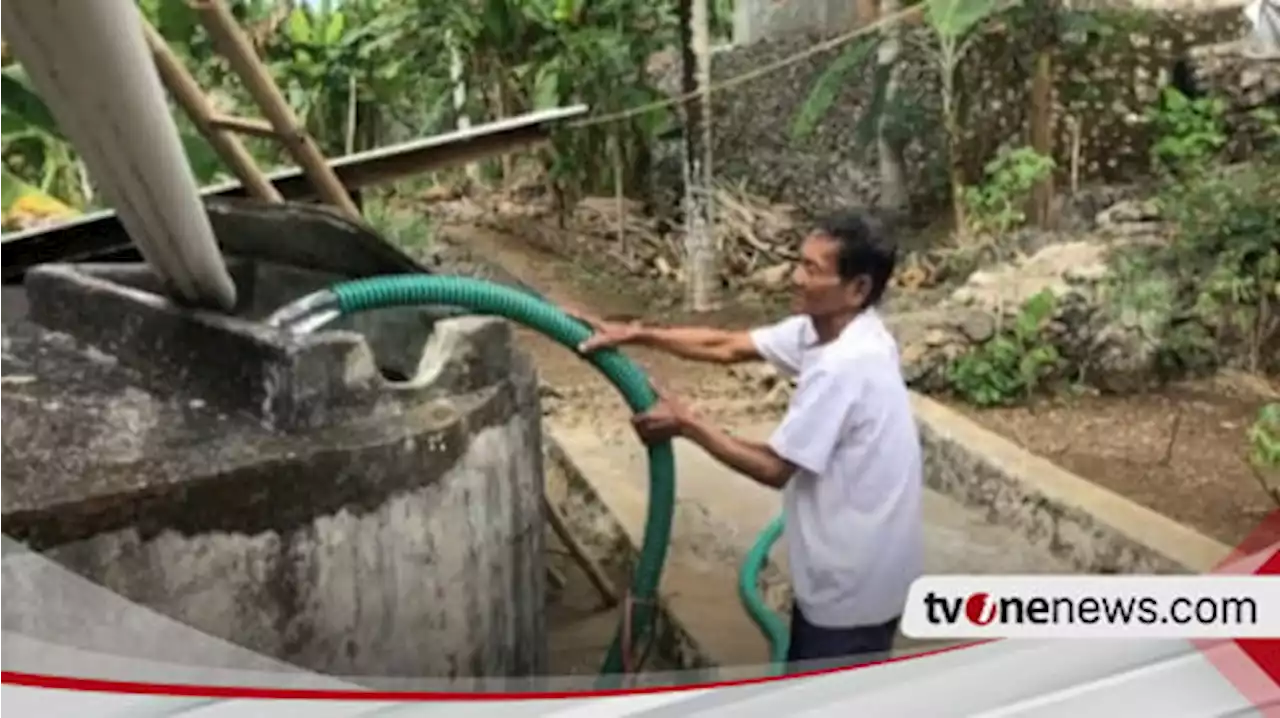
867	11
506	162
701	265
955	163
893	175
1042	135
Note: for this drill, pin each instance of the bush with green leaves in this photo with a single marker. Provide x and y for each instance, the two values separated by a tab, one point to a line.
1223	253
996	206
366	73
1188	132
1264	449
1015	363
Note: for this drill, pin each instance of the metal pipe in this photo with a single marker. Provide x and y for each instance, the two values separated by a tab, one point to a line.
319	302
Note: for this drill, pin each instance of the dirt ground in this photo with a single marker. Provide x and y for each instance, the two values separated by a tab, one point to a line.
1180	451
580	393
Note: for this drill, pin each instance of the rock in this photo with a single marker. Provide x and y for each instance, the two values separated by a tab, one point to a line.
928	340
1133	230
1091	273
1005	288
771	278
1244	72
914	363
1117	350
1128	211
759	375
1114	347
976	326
1124	345
937	338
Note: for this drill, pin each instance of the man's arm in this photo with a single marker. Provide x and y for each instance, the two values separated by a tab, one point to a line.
719	346
756	461
806	439
780	344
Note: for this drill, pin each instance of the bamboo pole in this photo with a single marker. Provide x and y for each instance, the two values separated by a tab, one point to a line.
197	106
608	593
232	43
244	126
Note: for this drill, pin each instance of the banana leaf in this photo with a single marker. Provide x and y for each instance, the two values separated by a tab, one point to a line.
22	103
25	206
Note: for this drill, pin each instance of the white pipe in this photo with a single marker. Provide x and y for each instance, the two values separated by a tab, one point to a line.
90	63
57	90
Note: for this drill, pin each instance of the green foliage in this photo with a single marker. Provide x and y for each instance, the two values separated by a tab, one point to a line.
1220	270
953	20
365	73
1227	242
953	26
852	60
1228	248
1264	448
36	157
398	221
1014	363
996	205
1189	133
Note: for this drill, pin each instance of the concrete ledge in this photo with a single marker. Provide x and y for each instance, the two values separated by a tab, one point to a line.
1095	529
401	538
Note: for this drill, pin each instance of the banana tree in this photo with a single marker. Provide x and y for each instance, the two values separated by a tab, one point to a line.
954	24
37	159
350	68
894	117
26	207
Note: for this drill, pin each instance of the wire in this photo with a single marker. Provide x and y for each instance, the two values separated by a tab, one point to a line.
819	48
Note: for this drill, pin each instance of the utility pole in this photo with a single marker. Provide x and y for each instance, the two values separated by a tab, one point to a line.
702	280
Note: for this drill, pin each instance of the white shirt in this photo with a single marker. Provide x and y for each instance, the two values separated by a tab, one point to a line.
852	510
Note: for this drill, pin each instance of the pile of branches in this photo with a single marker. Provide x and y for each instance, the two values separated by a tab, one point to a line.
758	240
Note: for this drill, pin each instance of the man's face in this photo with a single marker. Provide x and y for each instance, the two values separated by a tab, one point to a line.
818	289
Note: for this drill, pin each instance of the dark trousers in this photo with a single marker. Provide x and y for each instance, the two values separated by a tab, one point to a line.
817	647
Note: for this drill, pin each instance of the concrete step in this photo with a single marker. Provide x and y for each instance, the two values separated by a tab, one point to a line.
957	539
718	515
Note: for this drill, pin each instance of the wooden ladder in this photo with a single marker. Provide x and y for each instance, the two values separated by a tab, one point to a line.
280	123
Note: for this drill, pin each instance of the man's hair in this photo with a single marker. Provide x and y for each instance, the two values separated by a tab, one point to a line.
864	248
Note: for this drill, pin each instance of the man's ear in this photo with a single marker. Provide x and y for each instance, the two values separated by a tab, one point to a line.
859	288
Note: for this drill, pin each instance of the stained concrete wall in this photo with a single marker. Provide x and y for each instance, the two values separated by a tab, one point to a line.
280	493
755	20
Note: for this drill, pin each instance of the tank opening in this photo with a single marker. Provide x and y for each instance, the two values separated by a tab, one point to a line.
393	374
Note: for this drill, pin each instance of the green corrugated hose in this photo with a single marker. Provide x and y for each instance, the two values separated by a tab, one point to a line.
769	623
531	311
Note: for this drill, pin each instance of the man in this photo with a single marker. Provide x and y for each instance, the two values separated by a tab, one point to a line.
847	453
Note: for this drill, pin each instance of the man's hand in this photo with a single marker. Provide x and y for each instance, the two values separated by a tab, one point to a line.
605	334
665	420
669	418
